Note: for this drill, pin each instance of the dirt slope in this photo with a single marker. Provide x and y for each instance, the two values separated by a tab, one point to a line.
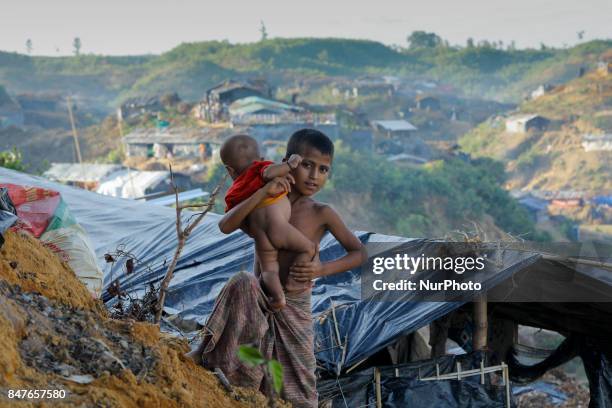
55	336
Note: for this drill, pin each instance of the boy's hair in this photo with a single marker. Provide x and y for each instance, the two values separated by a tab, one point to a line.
312	138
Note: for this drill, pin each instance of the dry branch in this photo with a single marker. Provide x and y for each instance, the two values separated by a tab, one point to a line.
182	234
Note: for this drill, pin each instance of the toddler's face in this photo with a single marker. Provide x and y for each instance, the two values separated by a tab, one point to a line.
312	173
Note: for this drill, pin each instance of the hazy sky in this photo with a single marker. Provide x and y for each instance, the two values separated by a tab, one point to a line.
153	26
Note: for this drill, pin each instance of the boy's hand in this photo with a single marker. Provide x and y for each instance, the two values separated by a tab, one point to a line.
307	271
294	160
279	185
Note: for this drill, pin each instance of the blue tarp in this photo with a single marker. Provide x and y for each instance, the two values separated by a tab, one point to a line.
210	258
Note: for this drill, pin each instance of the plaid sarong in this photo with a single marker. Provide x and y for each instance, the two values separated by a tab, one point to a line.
241	315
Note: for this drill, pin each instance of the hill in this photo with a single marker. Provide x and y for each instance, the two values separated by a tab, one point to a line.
483	71
554	159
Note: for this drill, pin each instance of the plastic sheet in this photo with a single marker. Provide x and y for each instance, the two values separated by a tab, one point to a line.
401	386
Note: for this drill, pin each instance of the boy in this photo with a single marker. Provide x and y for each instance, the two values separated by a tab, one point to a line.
241	314
268	222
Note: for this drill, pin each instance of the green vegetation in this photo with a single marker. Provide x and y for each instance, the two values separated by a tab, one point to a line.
12	160
251	356
485	69
427	201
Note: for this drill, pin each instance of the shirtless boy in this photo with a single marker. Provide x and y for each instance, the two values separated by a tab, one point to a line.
309	217
268	222
290	340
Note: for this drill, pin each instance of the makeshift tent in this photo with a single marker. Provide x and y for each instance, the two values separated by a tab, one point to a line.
364	326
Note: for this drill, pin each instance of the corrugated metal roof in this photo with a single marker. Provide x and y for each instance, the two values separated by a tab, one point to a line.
254	104
178	135
83	172
395	125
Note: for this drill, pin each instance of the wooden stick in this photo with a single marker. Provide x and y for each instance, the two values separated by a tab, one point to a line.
482	377
378	388
182	235
74	131
480	321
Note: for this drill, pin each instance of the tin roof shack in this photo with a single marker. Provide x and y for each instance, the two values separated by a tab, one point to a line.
525	123
135	184
393	136
427	103
256	109
597	143
566	199
84	175
136	107
230	91
177	142
394	128
11	113
214	106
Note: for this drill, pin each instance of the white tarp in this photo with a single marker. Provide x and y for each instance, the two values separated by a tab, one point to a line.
131	183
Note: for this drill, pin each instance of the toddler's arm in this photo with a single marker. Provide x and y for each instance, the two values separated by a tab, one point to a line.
234	218
282	169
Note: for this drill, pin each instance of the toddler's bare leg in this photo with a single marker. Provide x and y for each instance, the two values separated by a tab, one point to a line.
283	235
268	260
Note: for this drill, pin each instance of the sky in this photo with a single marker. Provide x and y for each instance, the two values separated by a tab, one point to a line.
128	27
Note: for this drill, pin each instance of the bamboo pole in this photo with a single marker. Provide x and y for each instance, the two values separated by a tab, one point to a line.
480	323
378	388
75	136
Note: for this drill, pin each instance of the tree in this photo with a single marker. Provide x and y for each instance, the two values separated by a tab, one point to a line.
29	45
263	31
470	42
423	39
580	35
76	45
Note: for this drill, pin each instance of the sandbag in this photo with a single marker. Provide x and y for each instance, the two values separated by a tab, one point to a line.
44	214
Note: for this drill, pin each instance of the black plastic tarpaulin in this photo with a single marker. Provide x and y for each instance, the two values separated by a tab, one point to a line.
403	386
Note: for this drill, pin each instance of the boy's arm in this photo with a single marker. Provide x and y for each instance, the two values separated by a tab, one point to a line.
282	169
233	219
355	256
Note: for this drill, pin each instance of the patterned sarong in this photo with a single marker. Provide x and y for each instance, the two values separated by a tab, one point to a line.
241	315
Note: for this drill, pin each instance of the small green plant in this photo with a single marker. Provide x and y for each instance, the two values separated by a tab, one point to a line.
251	356
12	160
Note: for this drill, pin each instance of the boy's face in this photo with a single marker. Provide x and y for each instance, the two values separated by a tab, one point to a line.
312	173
